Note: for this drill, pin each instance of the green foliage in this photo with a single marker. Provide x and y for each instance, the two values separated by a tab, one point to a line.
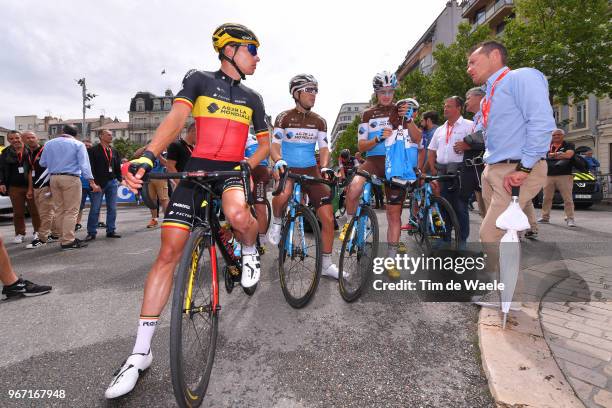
570	41
449	77
126	147
347	140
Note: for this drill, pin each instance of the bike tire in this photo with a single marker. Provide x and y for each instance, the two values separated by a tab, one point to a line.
285	270
269	211
349	292
187	391
447	215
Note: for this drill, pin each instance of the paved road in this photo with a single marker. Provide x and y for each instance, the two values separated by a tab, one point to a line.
382	350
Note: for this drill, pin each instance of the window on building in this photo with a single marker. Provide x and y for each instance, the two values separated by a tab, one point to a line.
580	119
480	16
1	140
140	105
556	115
156	104
500	28
167	104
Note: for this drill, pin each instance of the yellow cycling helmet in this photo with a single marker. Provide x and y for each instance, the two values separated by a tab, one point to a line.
233	33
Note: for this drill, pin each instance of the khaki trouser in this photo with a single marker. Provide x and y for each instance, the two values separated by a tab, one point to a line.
46	211
565	185
66	195
482	209
497	200
531	215
19	200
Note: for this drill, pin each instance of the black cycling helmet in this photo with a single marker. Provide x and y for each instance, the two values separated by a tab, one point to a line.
345	154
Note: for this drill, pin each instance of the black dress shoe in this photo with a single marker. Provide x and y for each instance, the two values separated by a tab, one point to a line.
90	237
112	235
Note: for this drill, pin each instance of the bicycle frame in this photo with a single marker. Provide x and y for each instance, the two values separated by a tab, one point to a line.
365	200
294	201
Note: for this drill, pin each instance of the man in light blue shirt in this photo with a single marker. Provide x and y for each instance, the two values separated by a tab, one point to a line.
66	159
517	122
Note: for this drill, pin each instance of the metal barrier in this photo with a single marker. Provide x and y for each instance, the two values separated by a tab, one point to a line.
605	180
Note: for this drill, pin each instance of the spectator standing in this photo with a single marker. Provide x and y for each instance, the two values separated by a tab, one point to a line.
445	158
157	189
66	159
106	169
592	162
38	187
14	169
85	192
179	152
473	148
560	177
429	124
517	121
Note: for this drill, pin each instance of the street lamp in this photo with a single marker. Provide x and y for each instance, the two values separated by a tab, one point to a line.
86	98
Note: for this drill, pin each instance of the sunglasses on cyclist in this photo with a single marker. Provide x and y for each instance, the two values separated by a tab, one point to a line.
311	90
386	93
251	48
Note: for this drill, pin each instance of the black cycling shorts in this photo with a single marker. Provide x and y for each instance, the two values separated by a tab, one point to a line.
187	197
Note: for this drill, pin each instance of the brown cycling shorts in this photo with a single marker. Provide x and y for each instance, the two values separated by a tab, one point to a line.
376	165
318	194
261	176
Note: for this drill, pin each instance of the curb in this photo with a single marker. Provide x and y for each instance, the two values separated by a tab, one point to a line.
520	368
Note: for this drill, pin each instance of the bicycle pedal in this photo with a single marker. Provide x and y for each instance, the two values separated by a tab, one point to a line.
233	271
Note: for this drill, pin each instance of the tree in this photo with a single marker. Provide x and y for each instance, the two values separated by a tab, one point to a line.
126	147
348	138
570	41
449	76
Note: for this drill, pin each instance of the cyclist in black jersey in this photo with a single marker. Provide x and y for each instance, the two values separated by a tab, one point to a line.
222	108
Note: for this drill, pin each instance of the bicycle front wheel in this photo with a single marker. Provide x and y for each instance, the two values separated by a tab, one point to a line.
300	257
359	248
194	320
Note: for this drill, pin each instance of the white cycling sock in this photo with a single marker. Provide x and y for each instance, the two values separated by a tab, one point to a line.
327	260
249	250
146	328
277	220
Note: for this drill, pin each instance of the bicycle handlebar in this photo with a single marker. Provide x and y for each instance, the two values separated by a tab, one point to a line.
300	178
199	176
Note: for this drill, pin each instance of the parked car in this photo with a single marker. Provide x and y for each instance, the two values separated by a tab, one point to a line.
586	192
5	205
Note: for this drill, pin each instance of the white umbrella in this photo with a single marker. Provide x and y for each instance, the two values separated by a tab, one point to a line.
513	220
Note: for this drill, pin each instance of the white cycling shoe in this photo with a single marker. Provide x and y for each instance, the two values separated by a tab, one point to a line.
250	270
124	379
331	271
274	233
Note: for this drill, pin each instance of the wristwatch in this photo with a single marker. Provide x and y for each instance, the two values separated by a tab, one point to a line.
520	167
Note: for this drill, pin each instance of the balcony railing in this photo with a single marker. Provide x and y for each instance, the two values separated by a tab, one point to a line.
491	12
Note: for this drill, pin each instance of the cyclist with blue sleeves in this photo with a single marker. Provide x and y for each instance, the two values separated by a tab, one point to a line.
296	134
261	176
373	130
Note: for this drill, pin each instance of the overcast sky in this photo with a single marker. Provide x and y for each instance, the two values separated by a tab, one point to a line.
122	46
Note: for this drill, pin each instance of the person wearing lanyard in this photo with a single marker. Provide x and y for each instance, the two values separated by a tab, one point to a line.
518	122
66	159
14	169
38	188
106	169
445	158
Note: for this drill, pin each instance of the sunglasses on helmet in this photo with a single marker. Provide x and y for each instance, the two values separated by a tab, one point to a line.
310	89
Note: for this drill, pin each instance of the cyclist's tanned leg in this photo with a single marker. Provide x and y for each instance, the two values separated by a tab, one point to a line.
159	280
325	214
394	212
238	215
352	195
280	201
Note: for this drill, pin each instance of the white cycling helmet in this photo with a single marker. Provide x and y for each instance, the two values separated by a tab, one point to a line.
302	81
412	103
384	79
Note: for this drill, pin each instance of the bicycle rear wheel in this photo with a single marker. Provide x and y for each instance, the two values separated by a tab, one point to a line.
300	257
359	248
440	226
194	320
